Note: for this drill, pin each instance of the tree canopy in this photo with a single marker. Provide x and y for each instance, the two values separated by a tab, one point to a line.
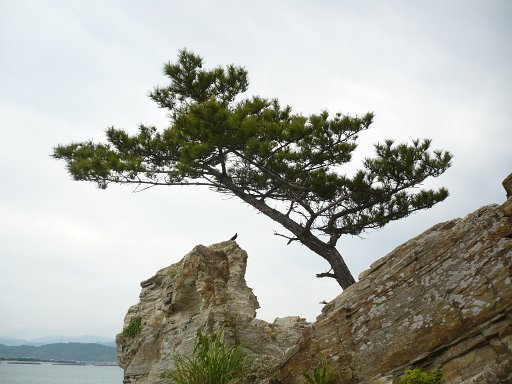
286	165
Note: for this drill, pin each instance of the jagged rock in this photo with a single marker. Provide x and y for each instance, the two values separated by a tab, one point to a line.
205	290
507	184
442	300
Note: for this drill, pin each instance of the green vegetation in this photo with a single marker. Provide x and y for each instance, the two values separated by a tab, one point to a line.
134	327
173	271
290	167
321	374
212	362
418	376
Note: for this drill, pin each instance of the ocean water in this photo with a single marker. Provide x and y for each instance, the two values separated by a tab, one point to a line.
46	373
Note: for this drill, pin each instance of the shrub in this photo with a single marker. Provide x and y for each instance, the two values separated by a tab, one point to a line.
417	376
212	362
173	271
320	375
133	329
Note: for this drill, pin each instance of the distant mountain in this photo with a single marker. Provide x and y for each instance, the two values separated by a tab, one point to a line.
71	339
11	341
61	351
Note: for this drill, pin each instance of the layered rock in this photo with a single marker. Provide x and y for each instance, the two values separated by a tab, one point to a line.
507	184
205	290
442	300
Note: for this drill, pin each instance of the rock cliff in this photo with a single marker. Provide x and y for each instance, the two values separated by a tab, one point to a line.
205	290
442	300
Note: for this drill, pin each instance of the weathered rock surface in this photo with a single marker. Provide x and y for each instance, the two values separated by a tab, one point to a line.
442	300
205	290
507	184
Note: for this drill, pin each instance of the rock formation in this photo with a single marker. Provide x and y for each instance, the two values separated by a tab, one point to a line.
507	184
205	290
442	300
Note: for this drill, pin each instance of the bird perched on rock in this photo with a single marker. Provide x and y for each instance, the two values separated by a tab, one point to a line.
234	236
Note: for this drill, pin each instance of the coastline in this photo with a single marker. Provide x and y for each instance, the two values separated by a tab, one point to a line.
32	361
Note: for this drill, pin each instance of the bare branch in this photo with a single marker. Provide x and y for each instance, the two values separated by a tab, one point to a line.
137	190
290	239
292	204
155	183
326	274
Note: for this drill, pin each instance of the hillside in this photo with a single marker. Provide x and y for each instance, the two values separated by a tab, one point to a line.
61	351
13	341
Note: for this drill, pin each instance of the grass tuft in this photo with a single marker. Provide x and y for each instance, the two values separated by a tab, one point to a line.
212	362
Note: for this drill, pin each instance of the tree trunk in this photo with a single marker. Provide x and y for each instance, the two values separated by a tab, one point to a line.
340	271
327	251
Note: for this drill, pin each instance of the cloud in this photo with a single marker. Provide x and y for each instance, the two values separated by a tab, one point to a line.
73	256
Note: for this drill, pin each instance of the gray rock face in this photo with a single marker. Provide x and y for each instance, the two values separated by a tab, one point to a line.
205	290
442	300
507	184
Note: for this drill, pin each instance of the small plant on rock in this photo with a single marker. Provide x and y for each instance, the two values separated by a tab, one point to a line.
211	362
173	271
134	327
418	376
321	374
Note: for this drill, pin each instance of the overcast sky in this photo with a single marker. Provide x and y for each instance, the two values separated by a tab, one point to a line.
72	256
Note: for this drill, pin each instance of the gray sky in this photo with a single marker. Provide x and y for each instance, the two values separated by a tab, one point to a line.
72	256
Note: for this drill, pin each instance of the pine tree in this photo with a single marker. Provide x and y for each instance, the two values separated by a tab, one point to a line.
285	165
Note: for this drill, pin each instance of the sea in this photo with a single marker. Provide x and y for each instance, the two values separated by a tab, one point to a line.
48	373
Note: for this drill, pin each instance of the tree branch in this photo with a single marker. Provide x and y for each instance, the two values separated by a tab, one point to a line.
273	175
326	274
290	239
